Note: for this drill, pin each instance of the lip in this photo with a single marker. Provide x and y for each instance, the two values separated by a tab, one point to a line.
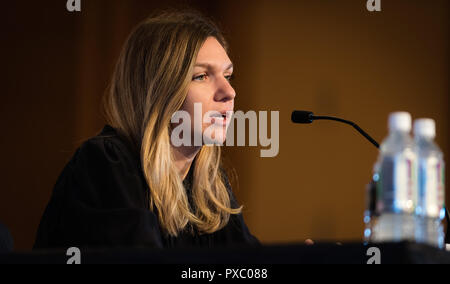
222	121
227	113
223	118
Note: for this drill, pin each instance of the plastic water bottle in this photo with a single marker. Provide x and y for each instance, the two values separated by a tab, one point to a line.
370	214
396	179
431	185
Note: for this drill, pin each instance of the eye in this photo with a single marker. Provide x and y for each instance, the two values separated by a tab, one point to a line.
229	78
200	77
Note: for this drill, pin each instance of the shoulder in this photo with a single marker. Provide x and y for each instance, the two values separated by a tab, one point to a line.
105	165
107	149
105	172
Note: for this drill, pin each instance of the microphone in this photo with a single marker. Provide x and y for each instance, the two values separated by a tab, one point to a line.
307	117
300	116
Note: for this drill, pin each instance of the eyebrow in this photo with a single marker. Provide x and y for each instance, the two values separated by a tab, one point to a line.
210	66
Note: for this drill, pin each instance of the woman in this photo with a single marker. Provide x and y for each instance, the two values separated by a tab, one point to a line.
130	186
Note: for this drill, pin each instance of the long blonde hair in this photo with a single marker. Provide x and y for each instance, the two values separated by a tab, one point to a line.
149	85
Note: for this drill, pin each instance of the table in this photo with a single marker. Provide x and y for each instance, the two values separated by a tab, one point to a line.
326	253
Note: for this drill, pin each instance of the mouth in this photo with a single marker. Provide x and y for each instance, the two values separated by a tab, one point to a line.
220	118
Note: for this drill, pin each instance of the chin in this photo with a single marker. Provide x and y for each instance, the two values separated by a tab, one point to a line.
212	139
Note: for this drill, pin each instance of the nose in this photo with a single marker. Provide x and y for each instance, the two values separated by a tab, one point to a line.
225	91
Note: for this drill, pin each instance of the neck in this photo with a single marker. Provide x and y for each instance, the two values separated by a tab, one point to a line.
183	158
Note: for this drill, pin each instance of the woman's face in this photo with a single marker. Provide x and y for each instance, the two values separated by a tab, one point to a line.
210	87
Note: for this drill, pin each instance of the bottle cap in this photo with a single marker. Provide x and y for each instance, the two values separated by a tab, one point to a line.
425	127
400	121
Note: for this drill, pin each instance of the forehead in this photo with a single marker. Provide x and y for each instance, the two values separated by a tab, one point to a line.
212	52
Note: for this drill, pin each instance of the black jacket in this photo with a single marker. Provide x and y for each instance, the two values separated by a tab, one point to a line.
101	200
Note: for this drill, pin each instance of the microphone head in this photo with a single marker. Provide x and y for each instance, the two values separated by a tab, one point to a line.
301	116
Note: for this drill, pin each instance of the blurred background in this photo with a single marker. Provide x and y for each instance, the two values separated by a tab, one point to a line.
331	57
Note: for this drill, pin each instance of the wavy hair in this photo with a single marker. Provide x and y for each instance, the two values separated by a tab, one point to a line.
149	84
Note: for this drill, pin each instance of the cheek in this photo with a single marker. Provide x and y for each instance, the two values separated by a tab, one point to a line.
206	99
191	98
197	95
188	106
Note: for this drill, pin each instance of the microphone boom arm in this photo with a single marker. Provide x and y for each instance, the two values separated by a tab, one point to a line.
363	133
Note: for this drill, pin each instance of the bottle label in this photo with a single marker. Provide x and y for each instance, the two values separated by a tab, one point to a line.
397	188
441	189
431	187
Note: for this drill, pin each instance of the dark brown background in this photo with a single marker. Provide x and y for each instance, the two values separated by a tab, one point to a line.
333	57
